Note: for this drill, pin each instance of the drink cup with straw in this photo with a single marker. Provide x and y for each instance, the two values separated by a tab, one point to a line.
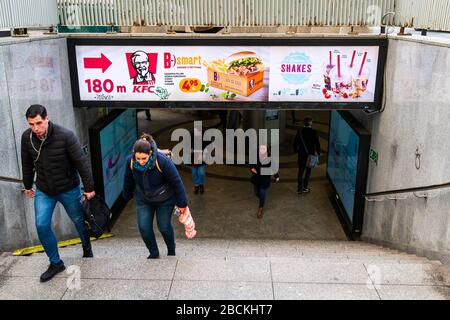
361	79
326	76
340	78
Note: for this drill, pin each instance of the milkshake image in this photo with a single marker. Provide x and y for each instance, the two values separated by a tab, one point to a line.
327	69
360	78
341	80
360	83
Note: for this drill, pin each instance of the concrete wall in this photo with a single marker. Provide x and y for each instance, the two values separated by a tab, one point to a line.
417	115
32	71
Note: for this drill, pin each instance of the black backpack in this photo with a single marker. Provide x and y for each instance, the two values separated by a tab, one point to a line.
97	217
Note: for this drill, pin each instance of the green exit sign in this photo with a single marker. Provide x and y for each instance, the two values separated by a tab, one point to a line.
373	155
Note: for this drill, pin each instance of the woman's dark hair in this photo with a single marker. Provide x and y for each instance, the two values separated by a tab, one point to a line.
143	144
267	146
36	110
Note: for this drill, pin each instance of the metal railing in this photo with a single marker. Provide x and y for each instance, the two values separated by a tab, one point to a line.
9	179
28	13
234	13
375	197
422	14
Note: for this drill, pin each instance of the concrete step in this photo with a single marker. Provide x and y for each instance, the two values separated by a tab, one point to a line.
237	278
227	249
245	269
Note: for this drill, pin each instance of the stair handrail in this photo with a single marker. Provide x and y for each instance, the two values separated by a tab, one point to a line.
370	196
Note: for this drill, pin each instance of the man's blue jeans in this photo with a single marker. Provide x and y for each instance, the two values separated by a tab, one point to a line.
145	214
44	206
198	175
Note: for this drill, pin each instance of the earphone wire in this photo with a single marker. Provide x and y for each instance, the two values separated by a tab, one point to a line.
40	147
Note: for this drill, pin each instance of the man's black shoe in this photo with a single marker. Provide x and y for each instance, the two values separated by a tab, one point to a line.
306	190
53	270
153	257
87	252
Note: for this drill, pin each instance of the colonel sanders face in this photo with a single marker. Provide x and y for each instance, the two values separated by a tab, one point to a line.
140	62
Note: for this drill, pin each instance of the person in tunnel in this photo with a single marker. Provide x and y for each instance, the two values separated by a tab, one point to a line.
197	162
260	181
306	143
153	180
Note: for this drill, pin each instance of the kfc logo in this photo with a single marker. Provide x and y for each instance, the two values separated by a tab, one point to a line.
142	67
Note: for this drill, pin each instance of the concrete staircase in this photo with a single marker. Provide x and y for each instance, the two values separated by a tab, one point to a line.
231	269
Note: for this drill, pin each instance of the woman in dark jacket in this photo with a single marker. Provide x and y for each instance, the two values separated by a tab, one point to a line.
153	180
262	182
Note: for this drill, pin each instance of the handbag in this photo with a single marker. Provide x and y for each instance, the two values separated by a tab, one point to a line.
97	216
313	160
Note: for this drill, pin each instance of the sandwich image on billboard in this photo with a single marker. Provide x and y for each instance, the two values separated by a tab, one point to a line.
241	73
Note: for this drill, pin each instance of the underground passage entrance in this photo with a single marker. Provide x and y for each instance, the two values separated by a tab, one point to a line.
184	80
228	207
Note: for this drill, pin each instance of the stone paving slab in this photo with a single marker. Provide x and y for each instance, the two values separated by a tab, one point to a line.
110	252
246	248
33	266
220	290
301	271
396	292
408	274
203	248
307	291
30	288
129	268
281	249
243	269
104	289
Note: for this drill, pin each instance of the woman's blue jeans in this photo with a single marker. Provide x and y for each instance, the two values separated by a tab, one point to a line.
145	213
261	194
198	175
44	206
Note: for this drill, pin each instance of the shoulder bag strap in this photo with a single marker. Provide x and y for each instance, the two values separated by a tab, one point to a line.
303	141
157	164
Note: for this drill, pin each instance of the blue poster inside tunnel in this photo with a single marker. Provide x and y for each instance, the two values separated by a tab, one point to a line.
117	141
343	160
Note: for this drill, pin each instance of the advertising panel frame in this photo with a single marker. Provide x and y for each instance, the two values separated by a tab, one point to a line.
353	228
96	159
370	107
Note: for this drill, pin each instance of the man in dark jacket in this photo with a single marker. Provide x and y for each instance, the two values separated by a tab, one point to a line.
55	155
306	143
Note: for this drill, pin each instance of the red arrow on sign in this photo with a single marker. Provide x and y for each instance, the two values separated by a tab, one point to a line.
95	63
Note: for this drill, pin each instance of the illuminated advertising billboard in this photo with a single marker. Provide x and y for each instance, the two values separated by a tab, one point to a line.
337	73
